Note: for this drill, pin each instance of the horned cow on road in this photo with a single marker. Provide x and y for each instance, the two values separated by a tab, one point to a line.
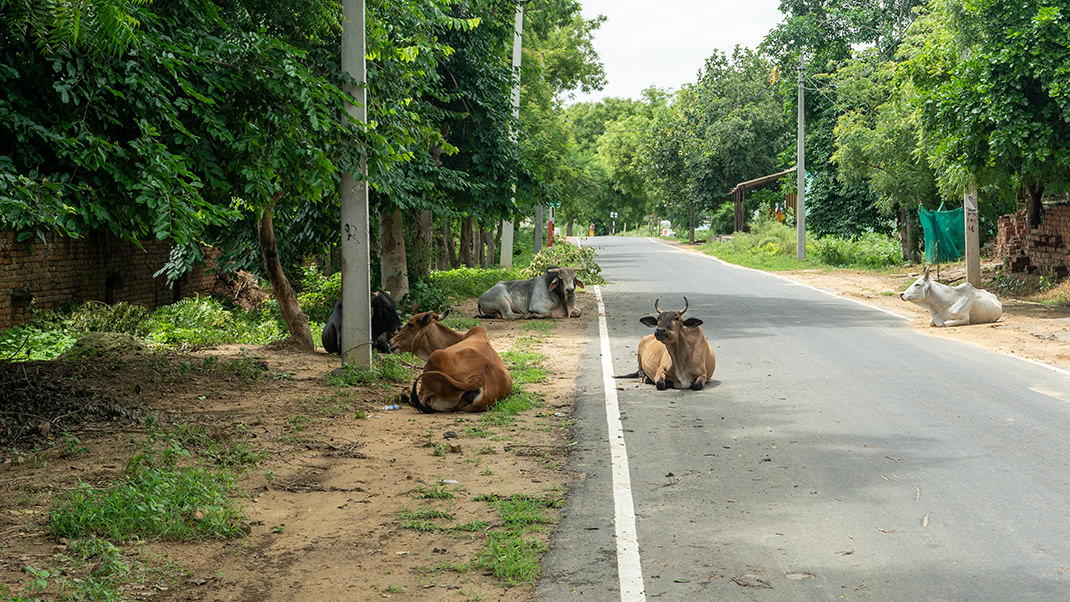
953	306
552	295
677	354
468	376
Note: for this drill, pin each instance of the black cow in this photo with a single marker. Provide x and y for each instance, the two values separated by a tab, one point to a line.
385	322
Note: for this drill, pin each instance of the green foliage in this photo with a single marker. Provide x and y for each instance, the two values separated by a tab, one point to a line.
424	295
565	255
868	250
94	316
771	245
319	293
204	322
463	283
30	342
990	91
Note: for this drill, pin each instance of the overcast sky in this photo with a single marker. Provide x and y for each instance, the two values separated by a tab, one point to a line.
665	42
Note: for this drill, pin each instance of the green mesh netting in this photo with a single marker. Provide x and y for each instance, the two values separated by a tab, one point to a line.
945	235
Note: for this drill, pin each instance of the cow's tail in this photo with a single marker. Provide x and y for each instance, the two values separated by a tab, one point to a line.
472	388
415	399
632	375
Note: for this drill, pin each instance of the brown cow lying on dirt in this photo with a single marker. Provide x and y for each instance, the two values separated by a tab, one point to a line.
677	355
468	376
423	334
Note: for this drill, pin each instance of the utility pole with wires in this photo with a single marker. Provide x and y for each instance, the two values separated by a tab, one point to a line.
800	173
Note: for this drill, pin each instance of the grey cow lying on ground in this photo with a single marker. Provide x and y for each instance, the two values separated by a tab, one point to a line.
552	295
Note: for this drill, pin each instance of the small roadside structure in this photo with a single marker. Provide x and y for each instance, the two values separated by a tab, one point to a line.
739	195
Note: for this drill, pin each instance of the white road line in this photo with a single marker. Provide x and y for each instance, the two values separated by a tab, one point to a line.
629	569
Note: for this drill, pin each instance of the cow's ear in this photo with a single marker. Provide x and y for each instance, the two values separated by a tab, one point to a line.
692	322
426	318
577	282
553	285
650	321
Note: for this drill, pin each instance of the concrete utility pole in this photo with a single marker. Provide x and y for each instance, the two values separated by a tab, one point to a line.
518	40
800	201
973	241
356	288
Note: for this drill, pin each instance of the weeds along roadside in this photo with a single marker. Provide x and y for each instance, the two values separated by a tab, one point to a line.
187	479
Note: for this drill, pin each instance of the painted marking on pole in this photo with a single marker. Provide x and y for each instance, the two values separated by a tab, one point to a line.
629	568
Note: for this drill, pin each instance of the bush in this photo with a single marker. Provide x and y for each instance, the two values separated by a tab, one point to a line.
565	255
319	293
870	250
31	342
204	322
462	283
122	317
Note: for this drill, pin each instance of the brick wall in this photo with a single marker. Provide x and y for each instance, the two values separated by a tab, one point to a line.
62	269
1044	250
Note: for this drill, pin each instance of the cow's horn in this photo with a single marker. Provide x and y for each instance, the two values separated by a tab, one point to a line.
656	308
685	306
443	315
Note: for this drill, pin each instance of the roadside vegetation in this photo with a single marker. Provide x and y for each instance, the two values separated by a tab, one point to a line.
182	481
771	246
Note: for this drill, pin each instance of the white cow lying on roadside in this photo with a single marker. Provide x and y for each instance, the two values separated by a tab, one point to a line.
953	306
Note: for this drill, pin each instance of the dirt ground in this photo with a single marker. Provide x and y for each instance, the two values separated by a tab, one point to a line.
323	505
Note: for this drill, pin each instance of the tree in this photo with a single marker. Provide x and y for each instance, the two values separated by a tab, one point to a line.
820	35
876	142
991	94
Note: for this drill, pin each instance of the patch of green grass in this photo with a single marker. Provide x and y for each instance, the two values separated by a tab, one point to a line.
540	325
460	323
511	557
438	491
176	503
503	413
391	368
525	366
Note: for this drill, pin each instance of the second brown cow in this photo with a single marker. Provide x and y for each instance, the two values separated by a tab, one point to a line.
467	376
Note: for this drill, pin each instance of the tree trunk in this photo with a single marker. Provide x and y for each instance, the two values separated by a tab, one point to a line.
450	248
466	254
497	242
295	319
394	273
480	253
905	235
1034	209
488	242
691	226
568	227
539	241
423	246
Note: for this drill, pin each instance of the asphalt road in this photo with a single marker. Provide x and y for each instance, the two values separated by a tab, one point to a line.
836	455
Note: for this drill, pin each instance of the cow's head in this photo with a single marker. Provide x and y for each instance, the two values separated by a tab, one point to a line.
565	280
669	324
919	290
405	339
